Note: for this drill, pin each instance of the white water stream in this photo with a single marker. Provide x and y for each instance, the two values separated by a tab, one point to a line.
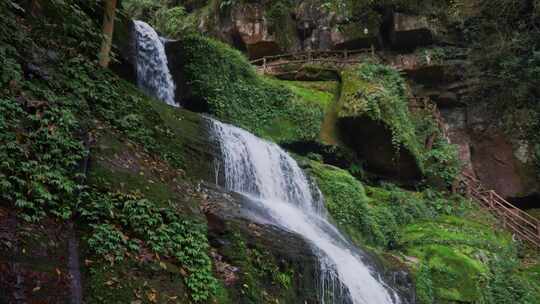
271	178
153	75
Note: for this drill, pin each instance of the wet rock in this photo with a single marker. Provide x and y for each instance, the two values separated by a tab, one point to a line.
231	217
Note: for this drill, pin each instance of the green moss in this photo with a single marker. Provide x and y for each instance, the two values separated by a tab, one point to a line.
380	94
455	250
127	182
224	82
319	93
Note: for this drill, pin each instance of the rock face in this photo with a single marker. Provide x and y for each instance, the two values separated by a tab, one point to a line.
230	220
247	28
262	28
372	142
501	161
409	31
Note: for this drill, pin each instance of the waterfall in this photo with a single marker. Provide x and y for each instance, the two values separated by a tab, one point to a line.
153	75
271	178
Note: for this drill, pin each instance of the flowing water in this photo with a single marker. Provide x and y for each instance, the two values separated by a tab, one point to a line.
271	178
153	75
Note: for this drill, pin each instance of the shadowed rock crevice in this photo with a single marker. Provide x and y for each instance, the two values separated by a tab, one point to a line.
372	141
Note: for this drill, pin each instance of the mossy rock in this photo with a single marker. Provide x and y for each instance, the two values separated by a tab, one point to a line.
373	119
457	252
213	78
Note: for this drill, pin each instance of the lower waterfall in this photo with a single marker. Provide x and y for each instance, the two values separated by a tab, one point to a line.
271	178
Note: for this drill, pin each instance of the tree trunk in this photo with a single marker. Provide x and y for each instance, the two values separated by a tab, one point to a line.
108	28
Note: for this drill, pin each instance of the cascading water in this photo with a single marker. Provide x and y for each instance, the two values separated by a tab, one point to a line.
153	75
270	177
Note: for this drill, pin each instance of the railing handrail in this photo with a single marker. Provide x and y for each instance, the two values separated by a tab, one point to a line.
518	221
312	53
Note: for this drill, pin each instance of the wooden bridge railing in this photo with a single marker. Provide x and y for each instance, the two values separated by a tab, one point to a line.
522	224
345	57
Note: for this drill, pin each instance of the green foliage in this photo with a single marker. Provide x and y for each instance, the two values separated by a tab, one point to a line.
460	257
223	81
379	92
39	158
174	22
265	278
376	218
463	260
166	17
124	223
505	285
43	121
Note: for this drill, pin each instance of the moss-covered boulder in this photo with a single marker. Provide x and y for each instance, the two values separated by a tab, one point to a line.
374	120
211	77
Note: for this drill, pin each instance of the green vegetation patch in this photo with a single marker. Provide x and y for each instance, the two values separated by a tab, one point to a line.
453	249
222	81
264	278
317	92
49	119
380	93
126	226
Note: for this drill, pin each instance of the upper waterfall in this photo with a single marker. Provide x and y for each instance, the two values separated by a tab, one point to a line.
264	172
153	74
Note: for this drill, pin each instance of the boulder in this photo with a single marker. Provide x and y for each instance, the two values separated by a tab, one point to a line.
409	32
500	160
374	135
253	30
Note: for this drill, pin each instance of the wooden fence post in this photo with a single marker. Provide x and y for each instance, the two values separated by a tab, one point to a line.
491	200
346	54
264	65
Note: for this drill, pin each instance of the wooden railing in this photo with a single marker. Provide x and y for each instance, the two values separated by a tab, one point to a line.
523	225
346	57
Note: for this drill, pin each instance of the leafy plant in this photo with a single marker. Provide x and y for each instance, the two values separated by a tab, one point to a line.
121	222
